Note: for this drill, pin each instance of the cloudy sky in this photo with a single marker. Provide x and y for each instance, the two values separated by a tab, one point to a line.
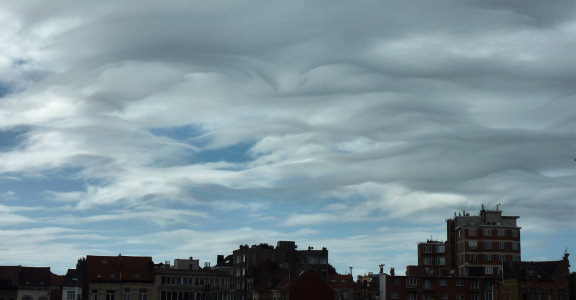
185	128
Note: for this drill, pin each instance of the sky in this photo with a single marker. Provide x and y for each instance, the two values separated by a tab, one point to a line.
187	128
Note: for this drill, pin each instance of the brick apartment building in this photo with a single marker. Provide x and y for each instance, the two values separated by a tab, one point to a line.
481	243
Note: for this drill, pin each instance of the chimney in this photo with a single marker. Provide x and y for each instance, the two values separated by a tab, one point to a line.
219	259
392	271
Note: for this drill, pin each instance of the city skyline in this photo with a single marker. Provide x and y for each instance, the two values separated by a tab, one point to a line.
187	129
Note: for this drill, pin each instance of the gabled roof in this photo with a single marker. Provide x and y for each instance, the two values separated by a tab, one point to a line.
120	268
34	276
337	281
528	270
9	276
73	278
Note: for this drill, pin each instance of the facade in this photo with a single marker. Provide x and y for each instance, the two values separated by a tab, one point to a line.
482	243
72	286
185	280
285	255
118	278
535	280
342	285
432	255
412	287
25	283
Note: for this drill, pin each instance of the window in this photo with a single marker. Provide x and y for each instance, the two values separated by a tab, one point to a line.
514	233
396	281
110	294
475	284
70	295
127	294
501	232
501	245
440	249
444	296
26	297
427	284
488	270
487	245
459	296
488	285
475	296
473	257
488	257
472	232
412	281
515	258
410	296
427	249
515	246
459	282
440	261
427	261
487	232
443	282
488	296
501	257
95	295
143	294
473	244
394	295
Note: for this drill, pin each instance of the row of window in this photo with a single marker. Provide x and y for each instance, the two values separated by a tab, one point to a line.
474	284
172	295
194	281
428	296
473	257
439	261
111	294
488	232
490	245
429	248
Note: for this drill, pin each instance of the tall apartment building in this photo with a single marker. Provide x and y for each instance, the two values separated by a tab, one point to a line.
479	244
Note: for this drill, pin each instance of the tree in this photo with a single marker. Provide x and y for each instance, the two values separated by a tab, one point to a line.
81	264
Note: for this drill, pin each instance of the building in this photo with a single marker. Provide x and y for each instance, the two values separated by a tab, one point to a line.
26	283
72	286
426	287
535	280
186	280
432	255
342	285
285	255
118	277
482	243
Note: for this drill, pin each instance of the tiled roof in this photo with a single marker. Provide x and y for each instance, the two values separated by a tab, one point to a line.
338	281
9	276
70	276
120	268
541	270
34	276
